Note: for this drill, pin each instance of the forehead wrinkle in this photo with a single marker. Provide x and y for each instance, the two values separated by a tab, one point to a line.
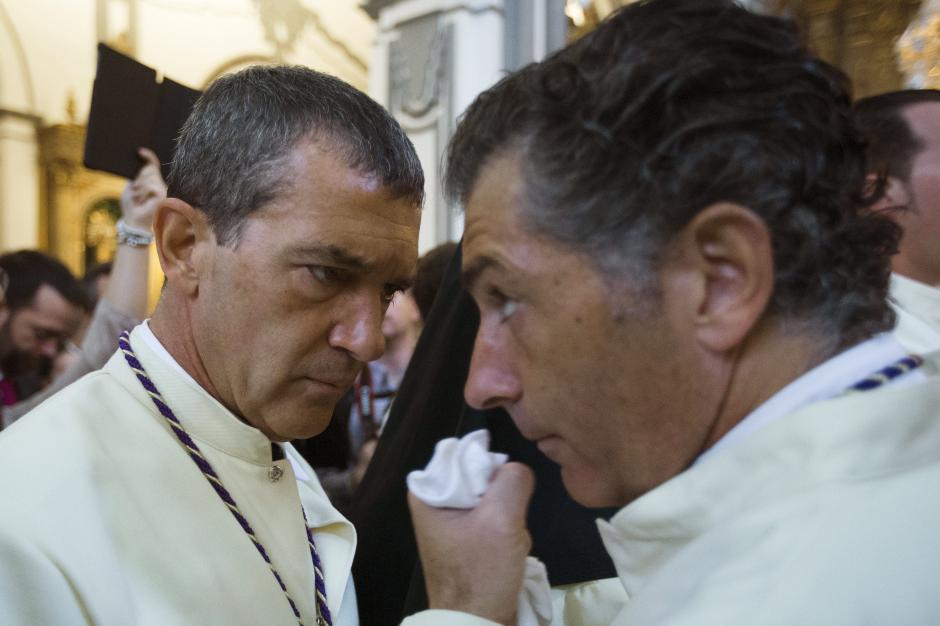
333	253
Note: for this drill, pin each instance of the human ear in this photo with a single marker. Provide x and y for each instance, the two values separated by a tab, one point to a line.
724	261
895	196
180	231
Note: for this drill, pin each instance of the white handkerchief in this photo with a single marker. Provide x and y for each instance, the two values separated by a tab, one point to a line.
459	472
457	477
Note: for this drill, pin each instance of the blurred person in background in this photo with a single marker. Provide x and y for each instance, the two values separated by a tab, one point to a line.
46	305
50	303
903	133
96	280
431	269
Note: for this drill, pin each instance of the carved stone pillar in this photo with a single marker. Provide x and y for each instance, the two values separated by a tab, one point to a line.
19	185
432	58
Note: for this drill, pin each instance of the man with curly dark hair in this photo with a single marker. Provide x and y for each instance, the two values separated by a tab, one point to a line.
903	132
683	302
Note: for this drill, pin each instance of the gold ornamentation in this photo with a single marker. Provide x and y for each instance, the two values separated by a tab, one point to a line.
919	48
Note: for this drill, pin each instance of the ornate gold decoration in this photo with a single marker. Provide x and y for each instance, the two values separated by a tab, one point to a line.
919	48
100	232
69	196
78	206
122	43
856	35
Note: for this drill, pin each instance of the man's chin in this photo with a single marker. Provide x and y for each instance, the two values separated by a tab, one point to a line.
287	426
18	363
590	490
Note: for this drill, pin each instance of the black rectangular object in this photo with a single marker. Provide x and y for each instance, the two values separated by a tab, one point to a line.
129	110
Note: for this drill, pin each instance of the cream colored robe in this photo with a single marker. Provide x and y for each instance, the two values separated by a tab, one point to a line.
106	520
829	516
918	314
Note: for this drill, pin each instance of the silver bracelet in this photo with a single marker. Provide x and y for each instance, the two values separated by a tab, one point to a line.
133	237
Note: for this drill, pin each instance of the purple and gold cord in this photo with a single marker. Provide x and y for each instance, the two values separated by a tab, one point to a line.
324	617
889	373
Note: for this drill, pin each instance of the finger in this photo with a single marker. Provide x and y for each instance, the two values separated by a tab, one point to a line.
511	489
149	156
417	506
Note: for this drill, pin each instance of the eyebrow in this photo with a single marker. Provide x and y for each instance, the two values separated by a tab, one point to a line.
334	254
342	257
472	271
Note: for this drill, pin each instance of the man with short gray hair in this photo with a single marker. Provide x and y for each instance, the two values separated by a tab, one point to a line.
291	222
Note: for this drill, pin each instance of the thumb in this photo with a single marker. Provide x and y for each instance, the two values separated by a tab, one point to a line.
149	156
510	491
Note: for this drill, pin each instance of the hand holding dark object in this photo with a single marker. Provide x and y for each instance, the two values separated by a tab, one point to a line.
474	560
142	194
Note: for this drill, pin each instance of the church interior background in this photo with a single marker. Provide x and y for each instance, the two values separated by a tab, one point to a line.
424	59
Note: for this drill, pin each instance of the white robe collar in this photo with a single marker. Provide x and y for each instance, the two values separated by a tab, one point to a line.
817	443
827	380
210	423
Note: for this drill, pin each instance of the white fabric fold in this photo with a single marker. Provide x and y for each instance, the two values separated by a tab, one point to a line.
457	476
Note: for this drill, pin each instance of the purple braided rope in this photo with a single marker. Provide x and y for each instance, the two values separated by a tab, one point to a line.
889	373
318	574
196	455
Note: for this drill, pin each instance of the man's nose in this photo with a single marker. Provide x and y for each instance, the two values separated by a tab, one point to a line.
49	348
359	329
492	380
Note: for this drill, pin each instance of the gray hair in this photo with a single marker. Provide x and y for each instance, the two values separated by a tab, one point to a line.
230	157
670	106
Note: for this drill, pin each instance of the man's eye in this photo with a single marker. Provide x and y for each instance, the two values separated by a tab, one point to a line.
505	305
42	334
388	293
325	274
508	308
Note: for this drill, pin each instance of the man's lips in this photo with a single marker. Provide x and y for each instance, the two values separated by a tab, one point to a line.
549	446
332	384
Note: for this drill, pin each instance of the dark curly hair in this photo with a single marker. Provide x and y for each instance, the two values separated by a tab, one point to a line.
28	270
670	106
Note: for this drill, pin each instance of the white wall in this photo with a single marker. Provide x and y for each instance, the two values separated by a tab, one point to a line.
19	221
188	40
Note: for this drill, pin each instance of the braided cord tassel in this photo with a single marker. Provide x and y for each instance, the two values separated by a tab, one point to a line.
323	612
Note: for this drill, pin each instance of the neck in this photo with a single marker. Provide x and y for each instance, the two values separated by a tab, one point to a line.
172	325
900	264
398	351
770	359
